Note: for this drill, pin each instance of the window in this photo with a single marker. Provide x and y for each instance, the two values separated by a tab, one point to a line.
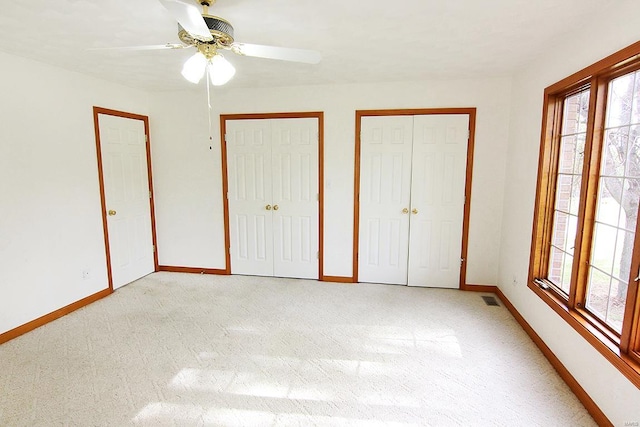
567	189
585	256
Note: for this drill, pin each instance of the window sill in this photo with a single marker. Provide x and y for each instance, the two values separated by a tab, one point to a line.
601	342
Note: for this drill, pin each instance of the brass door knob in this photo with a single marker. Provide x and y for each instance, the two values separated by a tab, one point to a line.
111	213
414	211
275	207
405	211
268	207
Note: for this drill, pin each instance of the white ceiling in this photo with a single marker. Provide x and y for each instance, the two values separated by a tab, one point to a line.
360	41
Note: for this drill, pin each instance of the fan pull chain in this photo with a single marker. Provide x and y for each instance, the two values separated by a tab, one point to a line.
209	105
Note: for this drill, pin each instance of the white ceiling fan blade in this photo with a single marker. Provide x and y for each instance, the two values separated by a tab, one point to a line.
167	46
189	17
281	53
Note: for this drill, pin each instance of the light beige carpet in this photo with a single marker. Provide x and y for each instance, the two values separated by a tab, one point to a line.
181	349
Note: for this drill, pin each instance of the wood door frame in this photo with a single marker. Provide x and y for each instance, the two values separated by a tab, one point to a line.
103	202
225	179
469	111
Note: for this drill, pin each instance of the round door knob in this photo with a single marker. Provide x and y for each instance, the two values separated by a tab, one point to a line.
275	207
414	211
405	211
111	213
268	207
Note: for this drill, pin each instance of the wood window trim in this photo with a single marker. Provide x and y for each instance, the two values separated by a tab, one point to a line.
319	115
625	363
617	350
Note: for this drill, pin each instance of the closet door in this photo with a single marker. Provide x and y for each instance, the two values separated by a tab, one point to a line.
273	196
295	197
385	193
250	196
437	199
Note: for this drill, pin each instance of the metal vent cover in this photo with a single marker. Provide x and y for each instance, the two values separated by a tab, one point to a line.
489	300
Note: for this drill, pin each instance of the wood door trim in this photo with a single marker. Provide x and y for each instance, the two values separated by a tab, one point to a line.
258	116
225	183
471	112
103	203
338	279
320	196
225	192
196	270
467	196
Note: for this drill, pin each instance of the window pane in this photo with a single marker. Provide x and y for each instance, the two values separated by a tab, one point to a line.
620	101
564	232
635	111
610	192
572	151
604	244
576	112
633	161
617	204
615	151
563	193
566	274
576	183
567	190
598	298
560	269
556	260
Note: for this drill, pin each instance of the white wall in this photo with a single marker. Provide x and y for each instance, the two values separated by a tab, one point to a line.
615	29
188	178
50	214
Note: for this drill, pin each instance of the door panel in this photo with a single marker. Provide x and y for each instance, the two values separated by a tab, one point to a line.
295	193
249	160
126	186
385	180
437	194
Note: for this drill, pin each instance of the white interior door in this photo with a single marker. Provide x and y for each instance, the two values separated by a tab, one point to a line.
250	196
273	196
437	199
385	195
295	195
126	186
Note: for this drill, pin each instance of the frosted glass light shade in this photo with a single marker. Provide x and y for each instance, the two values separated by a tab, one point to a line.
220	70
194	68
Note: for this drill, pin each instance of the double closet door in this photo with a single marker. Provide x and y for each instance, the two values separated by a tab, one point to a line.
412	196
273	196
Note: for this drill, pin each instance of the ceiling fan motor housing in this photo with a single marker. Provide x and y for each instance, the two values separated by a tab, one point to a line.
221	30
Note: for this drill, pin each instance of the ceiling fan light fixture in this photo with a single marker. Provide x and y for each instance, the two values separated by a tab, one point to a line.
209	34
194	68
220	70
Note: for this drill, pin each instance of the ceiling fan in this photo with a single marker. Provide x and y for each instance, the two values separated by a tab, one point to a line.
210	35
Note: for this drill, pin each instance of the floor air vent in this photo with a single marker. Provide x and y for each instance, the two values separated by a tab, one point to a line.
490	301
